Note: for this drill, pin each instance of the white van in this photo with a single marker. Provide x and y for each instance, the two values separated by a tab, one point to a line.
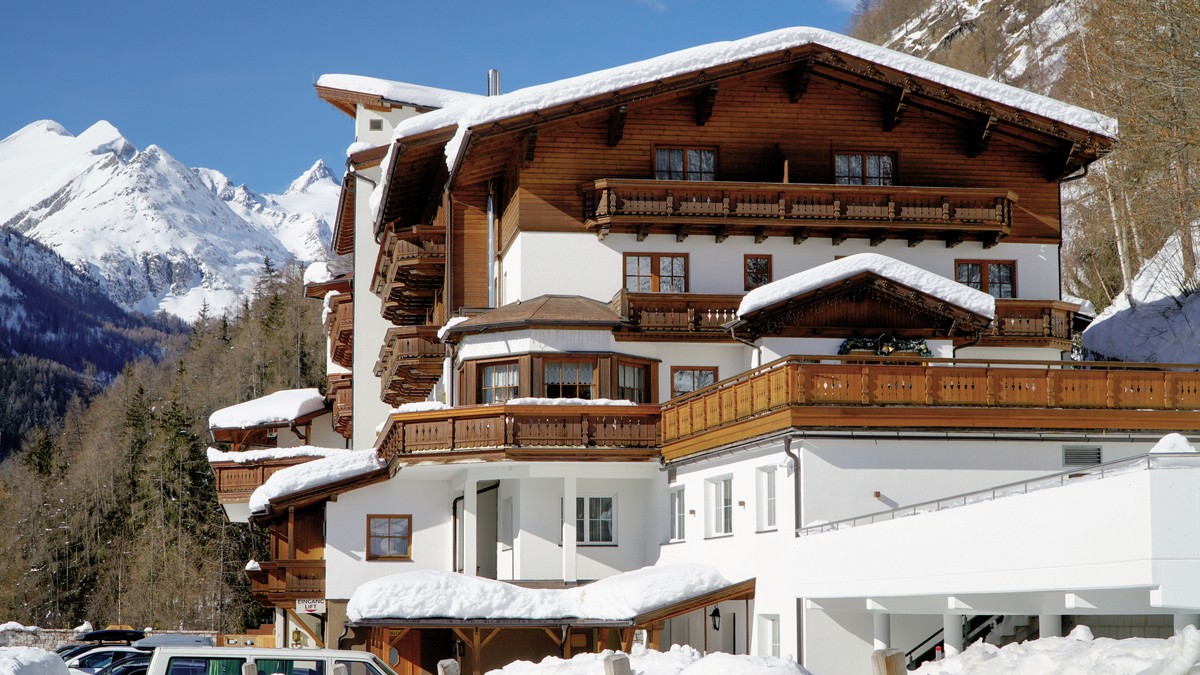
263	661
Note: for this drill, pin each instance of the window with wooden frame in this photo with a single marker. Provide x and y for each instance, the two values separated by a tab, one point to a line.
756	270
685	163
389	537
498	382
633	382
656	272
997	278
864	168
685	379
569	379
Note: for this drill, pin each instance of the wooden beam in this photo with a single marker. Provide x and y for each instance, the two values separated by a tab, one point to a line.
915	238
838	237
486	640
722	234
304	627
398	636
681	233
992	239
616	124
627	640
1065	163
893	113
978	140
954	239
643	232
558	640
877	237
530	144
760	234
799	235
799	78
704	104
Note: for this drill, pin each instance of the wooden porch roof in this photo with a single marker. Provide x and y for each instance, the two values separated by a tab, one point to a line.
552	311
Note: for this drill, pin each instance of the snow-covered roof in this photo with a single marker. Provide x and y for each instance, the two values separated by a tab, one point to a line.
482	110
245	456
537	400
399	92
914	277
434	594
281	407
678	660
315	474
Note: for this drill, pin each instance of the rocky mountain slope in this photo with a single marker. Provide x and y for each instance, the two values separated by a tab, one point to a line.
154	233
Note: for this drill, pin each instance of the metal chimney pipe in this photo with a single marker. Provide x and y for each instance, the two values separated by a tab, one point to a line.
493	82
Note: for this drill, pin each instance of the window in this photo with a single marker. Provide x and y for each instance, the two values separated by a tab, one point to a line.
685	164
201	665
632	383
1081	455
656	273
594	520
768	635
497	382
756	271
766	498
995	277
357	667
389	537
569	379
290	666
859	168
676	514
690	378
375	125
720	506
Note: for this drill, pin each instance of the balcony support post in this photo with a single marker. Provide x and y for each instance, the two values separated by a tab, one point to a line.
883	630
1050	625
952	630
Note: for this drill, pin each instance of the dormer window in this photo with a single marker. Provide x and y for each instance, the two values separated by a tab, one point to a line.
685	164
862	168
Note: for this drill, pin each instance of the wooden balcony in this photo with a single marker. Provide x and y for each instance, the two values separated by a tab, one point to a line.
818	392
340	329
409	273
573	432
1031	323
410	363
340	388
285	581
236	481
799	211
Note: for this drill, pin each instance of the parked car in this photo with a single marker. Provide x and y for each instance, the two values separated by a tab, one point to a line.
97	658
129	664
263	661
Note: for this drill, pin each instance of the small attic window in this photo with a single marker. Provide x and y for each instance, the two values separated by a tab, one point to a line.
375	124
1081	455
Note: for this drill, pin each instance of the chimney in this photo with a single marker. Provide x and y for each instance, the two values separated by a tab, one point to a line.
493	82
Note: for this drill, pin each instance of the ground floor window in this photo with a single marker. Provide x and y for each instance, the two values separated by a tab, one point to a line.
389	537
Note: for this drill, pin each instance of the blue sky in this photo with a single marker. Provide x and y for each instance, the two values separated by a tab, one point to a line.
228	85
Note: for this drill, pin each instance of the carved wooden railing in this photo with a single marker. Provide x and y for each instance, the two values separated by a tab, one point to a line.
409	272
931	383
341	331
410	363
1016	318
473	428
609	200
289	578
236	481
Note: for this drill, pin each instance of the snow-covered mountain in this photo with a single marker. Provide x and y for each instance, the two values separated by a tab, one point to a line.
154	233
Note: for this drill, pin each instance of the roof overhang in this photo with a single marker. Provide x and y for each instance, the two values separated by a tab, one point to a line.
279	506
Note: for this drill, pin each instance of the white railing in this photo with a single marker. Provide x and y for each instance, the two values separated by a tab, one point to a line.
1158	460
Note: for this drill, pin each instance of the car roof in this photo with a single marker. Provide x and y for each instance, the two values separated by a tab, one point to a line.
262	651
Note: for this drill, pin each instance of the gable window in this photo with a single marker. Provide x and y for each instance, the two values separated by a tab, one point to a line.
860	168
676	515
569	379
594	521
685	164
720	506
375	125
389	537
686	379
632	383
756	271
656	273
997	278
497	382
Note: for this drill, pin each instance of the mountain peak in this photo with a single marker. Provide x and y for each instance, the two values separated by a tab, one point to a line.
317	173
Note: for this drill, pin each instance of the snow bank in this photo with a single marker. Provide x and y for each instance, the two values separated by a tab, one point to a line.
1172	443
1077	654
346	464
17	627
245	456
901	272
423	594
678	660
282	406
535	400
30	661
84	627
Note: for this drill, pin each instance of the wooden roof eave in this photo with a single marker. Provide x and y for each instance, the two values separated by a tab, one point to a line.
340	284
420	154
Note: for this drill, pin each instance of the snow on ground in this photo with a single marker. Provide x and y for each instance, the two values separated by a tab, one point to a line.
314	474
17	627
245	456
681	660
901	272
1077	654
282	406
30	661
423	594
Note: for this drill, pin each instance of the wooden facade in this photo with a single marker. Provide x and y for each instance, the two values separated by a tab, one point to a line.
297	566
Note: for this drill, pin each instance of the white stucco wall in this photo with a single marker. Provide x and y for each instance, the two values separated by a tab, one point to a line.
369	325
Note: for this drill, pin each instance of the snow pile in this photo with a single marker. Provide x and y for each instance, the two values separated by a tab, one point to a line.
681	660
246	456
318	273
282	406
400	92
310	475
1077	654
914	277
253	566
420	406
30	661
454	321
85	627
535	400
17	627
1172	443
424	594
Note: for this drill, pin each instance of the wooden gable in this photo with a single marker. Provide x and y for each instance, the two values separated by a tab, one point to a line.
865	305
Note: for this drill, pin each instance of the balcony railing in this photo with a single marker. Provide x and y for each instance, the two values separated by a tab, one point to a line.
341	331
236	481
1127	398
1037	320
289	579
844	210
410	363
606	431
343	406
409	272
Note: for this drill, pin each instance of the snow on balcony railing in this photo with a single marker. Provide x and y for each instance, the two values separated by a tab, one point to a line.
1147	462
